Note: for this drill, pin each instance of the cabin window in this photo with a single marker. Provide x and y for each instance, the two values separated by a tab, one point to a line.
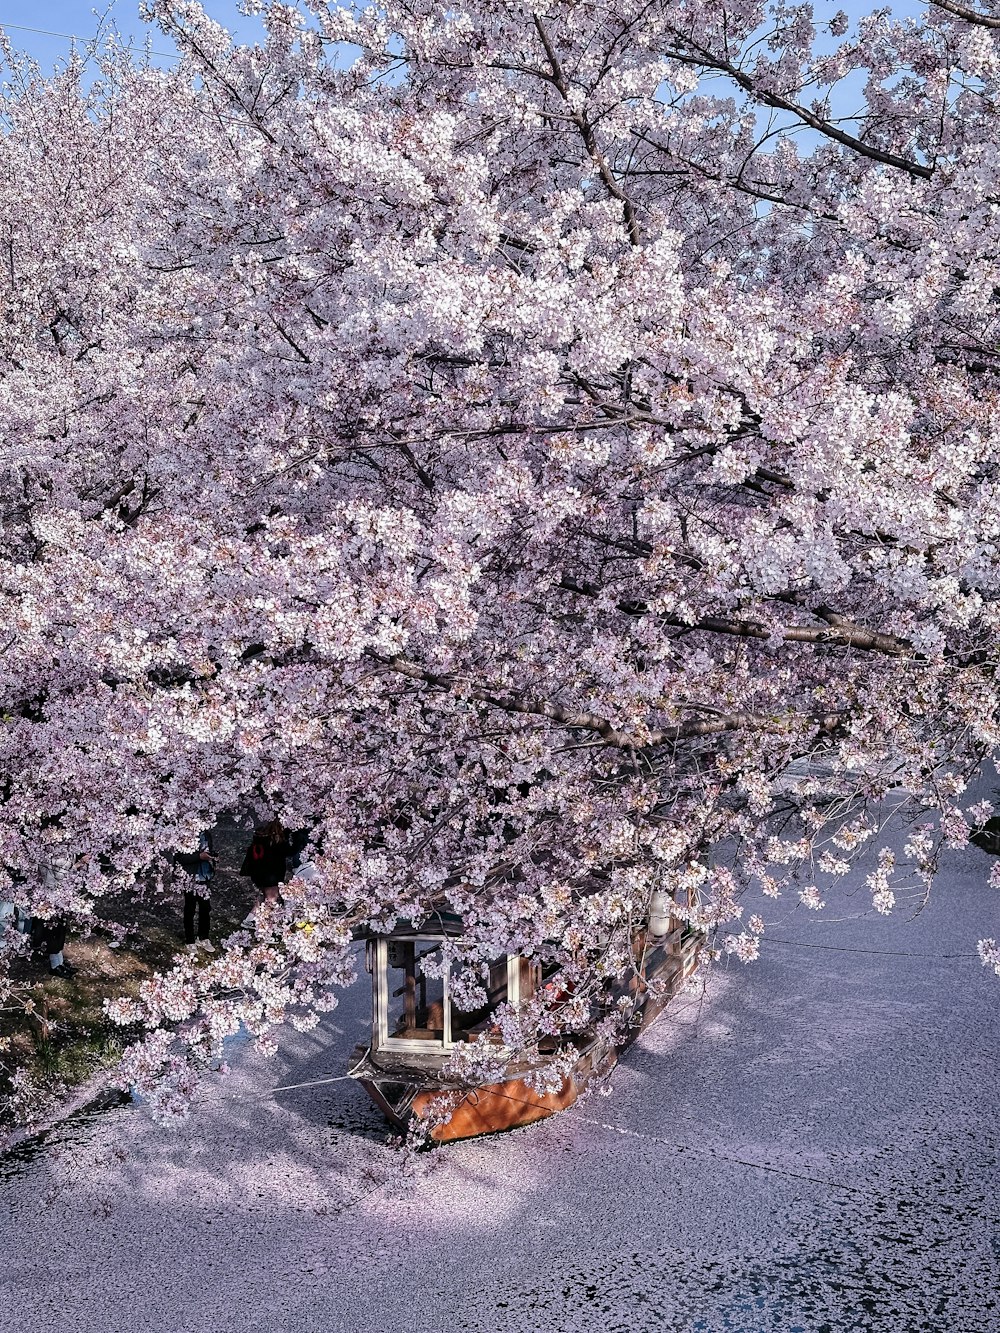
500	985
413	1006
412	993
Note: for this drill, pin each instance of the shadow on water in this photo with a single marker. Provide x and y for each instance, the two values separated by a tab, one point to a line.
314	1085
317	1090
67	1132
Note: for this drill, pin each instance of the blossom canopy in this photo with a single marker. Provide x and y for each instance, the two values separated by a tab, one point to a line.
506	442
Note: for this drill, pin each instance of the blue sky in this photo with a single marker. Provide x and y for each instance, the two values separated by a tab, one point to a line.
77	17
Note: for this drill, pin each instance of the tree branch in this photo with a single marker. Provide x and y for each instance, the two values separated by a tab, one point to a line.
701	58
561	83
970	15
842	632
517	703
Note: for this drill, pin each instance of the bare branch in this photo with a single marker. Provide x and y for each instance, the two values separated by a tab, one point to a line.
970	15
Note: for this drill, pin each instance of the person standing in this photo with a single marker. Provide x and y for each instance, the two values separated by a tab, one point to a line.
48	933
266	861
198	898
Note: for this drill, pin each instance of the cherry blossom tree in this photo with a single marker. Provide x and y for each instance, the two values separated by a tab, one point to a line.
507	442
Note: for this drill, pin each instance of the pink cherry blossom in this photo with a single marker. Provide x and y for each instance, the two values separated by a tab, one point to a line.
551	457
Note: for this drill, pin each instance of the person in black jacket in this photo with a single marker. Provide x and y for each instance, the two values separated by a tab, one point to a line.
48	935
197	897
266	860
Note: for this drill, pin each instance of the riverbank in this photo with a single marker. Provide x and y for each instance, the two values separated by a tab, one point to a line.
55	1029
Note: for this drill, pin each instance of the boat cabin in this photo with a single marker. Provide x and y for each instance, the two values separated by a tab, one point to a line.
417	1023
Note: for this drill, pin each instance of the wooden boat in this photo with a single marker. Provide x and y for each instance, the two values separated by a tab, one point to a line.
416	1027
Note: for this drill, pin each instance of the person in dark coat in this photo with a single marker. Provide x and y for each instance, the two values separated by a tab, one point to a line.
197	897
266	860
48	935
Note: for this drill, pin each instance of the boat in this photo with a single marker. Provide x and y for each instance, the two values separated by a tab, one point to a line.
417	1026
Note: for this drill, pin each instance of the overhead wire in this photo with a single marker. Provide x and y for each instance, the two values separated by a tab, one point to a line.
72	37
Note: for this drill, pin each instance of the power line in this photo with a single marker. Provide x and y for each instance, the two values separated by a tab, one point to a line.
72	37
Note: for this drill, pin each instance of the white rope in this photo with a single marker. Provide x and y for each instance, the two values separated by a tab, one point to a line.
848	948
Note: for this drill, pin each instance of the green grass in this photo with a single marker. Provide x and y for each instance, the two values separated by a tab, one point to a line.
62	1036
